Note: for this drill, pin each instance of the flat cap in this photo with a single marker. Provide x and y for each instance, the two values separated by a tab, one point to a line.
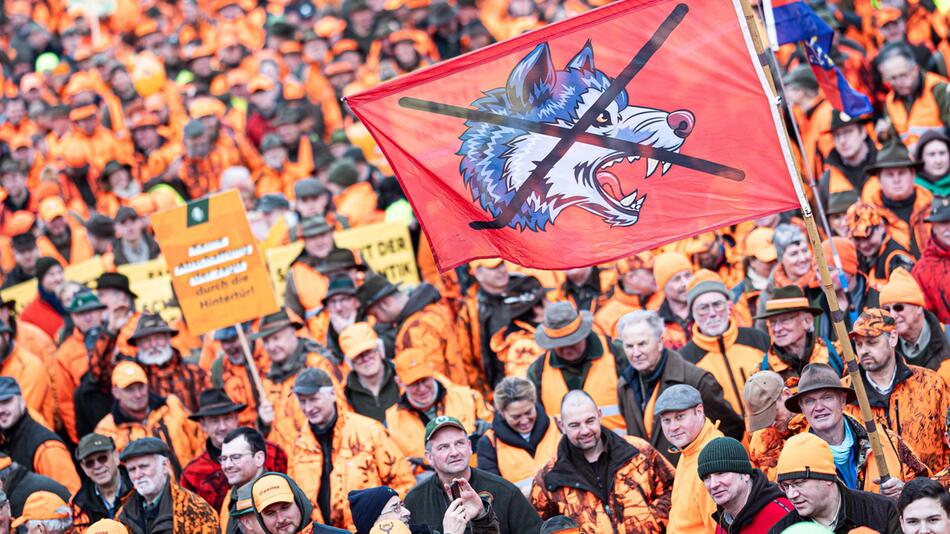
677	398
143	447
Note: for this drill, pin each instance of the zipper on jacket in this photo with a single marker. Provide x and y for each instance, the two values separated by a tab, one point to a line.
732	378
610	517
897	416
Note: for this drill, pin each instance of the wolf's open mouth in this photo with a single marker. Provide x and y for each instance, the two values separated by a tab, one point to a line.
612	172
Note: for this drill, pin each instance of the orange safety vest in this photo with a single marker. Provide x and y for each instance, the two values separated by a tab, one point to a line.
924	113
311	287
600	384
516	465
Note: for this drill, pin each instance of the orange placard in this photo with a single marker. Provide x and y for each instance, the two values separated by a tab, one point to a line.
216	266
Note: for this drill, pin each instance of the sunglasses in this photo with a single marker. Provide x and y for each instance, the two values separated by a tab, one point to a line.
899	308
91	461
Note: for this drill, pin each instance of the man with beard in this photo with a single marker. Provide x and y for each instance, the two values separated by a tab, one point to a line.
106	484
158	505
28	442
168	373
746	502
281	507
878	253
218	416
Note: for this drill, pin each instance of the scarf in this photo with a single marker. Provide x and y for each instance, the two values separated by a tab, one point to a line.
842	454
52	300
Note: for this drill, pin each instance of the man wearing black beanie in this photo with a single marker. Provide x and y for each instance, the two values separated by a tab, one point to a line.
746	502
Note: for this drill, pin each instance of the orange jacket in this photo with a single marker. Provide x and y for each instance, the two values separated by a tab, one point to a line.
517	465
639	494
773	362
691	507
167	420
79	248
72	361
618	305
516	348
408	428
430	329
190	513
30	373
357	203
237	383
923	115
364	456
766	444
913	235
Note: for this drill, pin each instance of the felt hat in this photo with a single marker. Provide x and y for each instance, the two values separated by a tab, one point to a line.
815	377
563	326
149	324
374	289
788	299
939	210
215	401
273	323
892	156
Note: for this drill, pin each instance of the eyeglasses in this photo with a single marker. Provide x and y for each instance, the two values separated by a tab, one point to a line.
91	461
704	309
895	308
394	509
789	485
232	458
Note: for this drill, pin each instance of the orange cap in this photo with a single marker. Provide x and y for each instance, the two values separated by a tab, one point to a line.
19	222
806	455
127	373
260	83
357	339
270	489
338	67
700	243
901	287
488	263
643	260
20	141
344	45
146	27
666	265
83	112
862	218
872	323
327	27
846	253
758	243
290	47
206	106
51	208
200	52
41	506
294	91
412	366
399	36
107	526
143	120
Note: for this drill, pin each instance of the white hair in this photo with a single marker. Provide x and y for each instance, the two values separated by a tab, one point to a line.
53	525
235	177
650	317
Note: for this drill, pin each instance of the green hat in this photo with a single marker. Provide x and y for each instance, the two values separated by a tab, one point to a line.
723	455
441	422
93	443
313	226
706	286
803	77
893	156
343	173
271	141
84	300
338	136
273	323
244	503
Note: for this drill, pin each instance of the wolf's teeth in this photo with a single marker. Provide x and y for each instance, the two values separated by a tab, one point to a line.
630	199
631	159
651	166
666	167
608	164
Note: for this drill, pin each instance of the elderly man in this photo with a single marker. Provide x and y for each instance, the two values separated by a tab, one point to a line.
158	504
601	480
808	476
218	416
449	452
306	286
371	386
137	412
822	399
30	443
428	395
770	422
419	319
746	502
727	351
289	355
652	370
576	357
791	321
901	203
168	373
338	451
921	341
931	271
686	427
43	513
908	400
106	485
281	507
878	253
917	101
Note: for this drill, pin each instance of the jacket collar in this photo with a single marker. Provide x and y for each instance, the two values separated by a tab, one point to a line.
506	434
710	343
419	298
697	444
564	474
763	492
902	373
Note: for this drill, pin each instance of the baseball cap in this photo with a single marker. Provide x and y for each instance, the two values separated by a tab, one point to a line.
862	219
9	388
93	443
51	208
311	380
244	503
412	366
759	245
269	489
357	339
872	323
441	422
761	393
488	263
127	373
41	505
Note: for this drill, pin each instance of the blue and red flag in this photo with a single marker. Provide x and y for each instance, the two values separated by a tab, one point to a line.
589	140
795	21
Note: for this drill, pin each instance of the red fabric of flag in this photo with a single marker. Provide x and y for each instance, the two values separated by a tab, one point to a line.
634	125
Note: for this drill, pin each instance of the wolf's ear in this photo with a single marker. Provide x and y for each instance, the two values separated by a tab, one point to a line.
584	60
532	79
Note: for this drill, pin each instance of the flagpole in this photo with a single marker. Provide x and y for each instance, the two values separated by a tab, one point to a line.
826	284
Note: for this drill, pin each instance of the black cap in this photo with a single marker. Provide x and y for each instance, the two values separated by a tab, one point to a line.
143	447
311	380
100	226
9	387
125	213
23	242
93	443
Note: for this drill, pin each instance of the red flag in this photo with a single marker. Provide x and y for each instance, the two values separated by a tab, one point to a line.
637	124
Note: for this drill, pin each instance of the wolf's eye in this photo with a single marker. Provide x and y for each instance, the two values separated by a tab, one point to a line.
603	119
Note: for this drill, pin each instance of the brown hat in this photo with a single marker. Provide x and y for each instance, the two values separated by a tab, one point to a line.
273	323
892	156
761	393
150	323
563	326
806	456
901	287
873	322
815	377
862	218
788	299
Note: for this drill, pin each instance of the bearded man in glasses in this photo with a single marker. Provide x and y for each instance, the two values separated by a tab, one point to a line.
106	484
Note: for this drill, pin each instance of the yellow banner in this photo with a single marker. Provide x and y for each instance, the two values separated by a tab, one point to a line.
386	247
149	270
216	266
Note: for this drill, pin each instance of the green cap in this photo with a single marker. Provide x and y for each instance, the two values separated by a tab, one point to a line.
84	300
93	443
723	455
441	422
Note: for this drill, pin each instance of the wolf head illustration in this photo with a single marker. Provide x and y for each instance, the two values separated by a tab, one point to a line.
497	160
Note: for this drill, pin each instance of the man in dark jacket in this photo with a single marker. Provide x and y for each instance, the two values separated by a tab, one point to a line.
106	484
449	452
371	385
19	483
282	507
652	370
806	473
746	502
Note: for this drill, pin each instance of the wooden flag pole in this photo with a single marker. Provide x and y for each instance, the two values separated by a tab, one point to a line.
837	316
251	366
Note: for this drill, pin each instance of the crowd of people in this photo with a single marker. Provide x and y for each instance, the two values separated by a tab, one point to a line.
697	388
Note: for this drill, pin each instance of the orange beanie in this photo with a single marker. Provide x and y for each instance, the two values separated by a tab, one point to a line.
901	287
666	265
846	251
